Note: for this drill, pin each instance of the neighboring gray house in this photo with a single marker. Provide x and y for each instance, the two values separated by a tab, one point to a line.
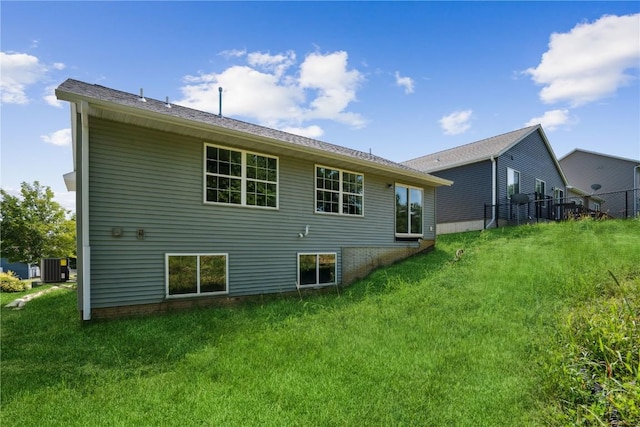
487	173
587	199
178	207
615	180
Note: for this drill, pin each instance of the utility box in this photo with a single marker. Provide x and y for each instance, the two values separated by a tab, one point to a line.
54	270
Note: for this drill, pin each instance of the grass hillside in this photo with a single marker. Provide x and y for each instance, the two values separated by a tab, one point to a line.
505	335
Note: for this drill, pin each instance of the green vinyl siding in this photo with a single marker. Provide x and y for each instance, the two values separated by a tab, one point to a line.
143	179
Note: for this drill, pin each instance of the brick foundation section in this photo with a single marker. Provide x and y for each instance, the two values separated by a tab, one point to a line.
359	262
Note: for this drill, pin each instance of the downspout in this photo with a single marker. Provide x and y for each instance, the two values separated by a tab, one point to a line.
494	194
84	189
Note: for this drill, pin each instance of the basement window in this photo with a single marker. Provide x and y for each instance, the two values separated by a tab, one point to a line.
196	274
316	269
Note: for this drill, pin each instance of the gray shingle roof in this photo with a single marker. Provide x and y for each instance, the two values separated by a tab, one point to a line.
580	150
72	90
470	153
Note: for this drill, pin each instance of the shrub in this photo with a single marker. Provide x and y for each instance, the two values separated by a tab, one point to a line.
9	282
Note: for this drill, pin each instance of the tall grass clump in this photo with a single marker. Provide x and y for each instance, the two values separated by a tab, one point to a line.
595	364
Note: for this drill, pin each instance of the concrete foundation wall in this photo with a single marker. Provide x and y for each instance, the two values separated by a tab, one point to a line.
358	262
460	227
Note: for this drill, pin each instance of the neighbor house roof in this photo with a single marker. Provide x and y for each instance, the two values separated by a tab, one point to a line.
611	173
114	104
478	151
579	150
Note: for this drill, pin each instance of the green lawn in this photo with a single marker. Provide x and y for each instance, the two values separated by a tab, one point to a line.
430	341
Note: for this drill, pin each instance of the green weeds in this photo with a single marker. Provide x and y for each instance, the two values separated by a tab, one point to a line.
595	362
500	335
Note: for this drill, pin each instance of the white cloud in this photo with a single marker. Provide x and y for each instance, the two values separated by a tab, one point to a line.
456	122
278	64
17	72
589	62
50	97
67	199
274	91
312	131
335	87
61	138
246	92
551	120
406	82
233	53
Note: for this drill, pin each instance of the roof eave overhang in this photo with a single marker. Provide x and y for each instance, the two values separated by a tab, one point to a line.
398	173
583	193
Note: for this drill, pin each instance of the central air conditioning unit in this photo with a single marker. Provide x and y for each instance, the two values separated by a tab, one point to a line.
54	270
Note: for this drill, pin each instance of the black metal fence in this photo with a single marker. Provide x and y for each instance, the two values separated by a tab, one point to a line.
617	204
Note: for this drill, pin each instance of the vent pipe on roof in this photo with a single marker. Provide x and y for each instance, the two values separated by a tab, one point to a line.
142	96
220	101
166	104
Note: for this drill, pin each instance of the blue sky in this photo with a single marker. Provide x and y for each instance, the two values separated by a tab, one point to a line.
402	79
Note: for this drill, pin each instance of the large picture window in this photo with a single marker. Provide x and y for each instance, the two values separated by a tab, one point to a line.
339	192
240	178
513	182
195	274
316	269
409	206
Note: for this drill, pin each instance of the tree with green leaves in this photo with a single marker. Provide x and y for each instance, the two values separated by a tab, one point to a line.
34	226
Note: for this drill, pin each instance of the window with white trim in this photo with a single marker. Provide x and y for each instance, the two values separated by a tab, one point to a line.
316	269
196	274
339	192
235	177
409	207
513	182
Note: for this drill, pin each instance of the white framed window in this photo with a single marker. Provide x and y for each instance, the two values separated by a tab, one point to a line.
558	195
196	274
513	182
541	187
339	191
409	208
316	269
243	178
596	206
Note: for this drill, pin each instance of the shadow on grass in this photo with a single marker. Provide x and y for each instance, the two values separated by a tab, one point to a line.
47	345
